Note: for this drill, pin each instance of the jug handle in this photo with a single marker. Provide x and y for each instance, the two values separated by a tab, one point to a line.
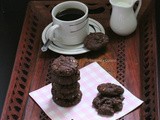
138	8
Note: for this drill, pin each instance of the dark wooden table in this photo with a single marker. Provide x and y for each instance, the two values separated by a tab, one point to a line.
134	66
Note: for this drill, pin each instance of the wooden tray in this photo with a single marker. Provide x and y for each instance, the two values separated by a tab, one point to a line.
131	60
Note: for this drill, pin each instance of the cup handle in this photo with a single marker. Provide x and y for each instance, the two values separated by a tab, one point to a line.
138	8
51	31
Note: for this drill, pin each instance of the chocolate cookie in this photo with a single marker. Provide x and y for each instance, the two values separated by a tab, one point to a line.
66	89
65	66
100	99
66	102
109	99
107	105
65	80
95	41
110	89
57	94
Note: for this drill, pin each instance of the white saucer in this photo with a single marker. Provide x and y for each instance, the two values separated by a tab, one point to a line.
94	26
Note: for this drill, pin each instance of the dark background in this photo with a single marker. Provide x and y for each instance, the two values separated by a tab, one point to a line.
12	13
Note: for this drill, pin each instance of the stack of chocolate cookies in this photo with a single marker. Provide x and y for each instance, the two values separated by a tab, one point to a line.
65	87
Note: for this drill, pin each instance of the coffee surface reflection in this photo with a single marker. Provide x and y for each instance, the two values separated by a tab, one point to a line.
70	14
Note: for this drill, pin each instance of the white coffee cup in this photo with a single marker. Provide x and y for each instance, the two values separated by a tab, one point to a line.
70	32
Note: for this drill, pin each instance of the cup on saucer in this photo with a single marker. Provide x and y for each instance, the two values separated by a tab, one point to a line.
70	23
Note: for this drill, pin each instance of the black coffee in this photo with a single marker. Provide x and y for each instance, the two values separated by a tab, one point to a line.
70	14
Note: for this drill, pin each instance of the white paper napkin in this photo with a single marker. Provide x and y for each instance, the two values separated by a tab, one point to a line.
91	76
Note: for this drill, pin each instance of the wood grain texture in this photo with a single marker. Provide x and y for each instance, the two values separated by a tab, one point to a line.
131	60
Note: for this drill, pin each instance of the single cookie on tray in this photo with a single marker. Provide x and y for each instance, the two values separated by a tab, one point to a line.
65	80
96	41
65	66
110	89
66	89
66	102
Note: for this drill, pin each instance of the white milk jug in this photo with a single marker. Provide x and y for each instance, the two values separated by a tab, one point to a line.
123	19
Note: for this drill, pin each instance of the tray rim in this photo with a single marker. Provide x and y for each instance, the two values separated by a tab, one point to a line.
17	59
